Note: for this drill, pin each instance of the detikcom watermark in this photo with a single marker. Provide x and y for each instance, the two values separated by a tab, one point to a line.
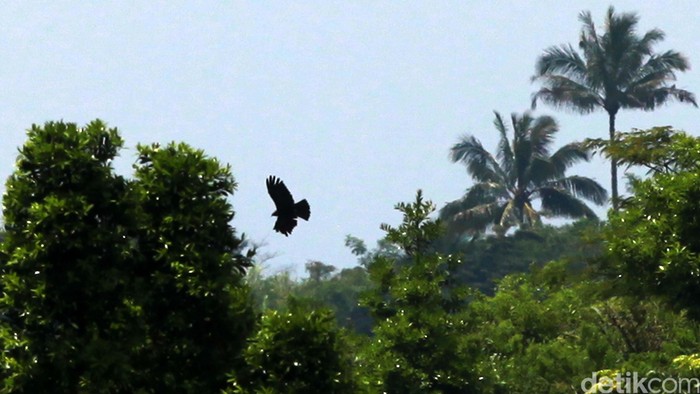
632	383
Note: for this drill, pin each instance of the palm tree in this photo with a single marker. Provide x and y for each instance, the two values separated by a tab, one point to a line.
618	70
522	171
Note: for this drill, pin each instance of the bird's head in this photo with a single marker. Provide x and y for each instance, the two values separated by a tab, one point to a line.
274	213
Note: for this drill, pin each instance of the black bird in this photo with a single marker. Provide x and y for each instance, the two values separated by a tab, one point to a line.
286	210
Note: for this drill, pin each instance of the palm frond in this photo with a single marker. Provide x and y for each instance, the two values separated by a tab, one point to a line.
483	212
650	38
562	92
533	217
457	222
650	99
542	170
568	155
632	53
556	202
522	148
483	193
580	187
619	27
505	153
498	201
588	30
452	208
647	80
472	226
542	134
590	44
562	60
509	215
620	42
658	70
648	88
474	219
547	169
480	164
669	60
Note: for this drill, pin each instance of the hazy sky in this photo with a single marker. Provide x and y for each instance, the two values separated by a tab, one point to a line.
353	104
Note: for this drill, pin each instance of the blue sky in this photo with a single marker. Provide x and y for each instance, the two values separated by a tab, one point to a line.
353	104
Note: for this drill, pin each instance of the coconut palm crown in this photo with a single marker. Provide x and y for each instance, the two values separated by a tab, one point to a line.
617	70
522	171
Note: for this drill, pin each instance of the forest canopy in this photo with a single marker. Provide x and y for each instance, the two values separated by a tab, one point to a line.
141	283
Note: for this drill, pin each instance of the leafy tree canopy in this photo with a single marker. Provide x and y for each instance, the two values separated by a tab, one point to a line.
659	149
418	307
115	285
299	350
660	249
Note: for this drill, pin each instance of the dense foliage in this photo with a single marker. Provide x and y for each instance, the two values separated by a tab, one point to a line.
419	312
299	350
111	285
141	285
660	253
545	330
70	322
117	285
190	275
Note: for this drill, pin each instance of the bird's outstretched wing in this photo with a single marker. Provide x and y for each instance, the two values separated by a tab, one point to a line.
280	194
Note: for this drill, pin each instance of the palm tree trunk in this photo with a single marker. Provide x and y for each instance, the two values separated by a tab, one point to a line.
613	165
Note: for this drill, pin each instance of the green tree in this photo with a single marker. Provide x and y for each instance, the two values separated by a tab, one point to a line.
618	70
653	244
318	270
659	149
272	291
341	293
69	322
365	256
529	334
418	308
112	285
489	259
522	171
191	290
299	350
546	330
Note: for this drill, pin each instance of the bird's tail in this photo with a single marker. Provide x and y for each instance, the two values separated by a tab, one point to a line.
302	209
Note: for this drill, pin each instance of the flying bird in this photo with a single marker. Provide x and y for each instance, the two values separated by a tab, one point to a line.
286	210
